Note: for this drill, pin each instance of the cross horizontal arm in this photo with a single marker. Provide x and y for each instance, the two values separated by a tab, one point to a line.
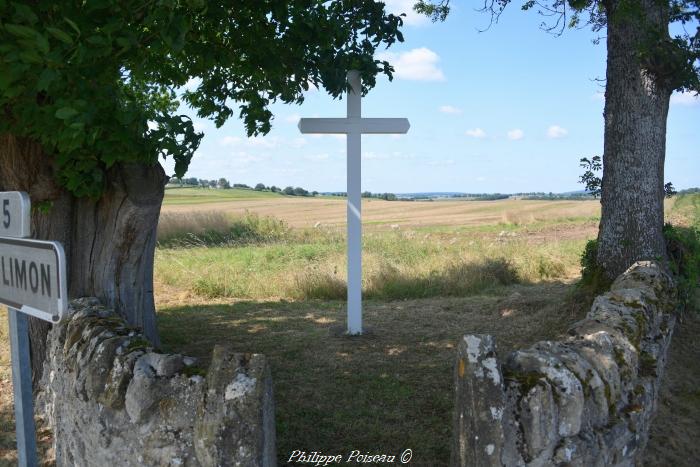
354	125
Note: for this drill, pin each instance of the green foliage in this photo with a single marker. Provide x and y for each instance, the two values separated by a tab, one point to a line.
669	190
96	82
593	278
593	183
683	246
436	11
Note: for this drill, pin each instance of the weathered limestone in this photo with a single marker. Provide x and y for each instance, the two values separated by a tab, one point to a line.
480	402
112	400
585	401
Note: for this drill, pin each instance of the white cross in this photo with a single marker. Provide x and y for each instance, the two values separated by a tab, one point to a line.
354	126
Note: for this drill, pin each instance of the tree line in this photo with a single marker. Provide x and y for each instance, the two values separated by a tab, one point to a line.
224	184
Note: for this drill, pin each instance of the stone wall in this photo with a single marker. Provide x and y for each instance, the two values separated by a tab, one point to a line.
586	400
112	400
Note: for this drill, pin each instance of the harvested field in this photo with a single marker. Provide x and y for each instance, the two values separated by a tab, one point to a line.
309	212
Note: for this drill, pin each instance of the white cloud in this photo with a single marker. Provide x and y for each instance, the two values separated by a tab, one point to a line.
516	134
476	133
192	84
253	142
448	109
599	96
199	125
293	118
406	6
480	179
230	141
685	98
555	132
298	142
242	160
262	142
415	65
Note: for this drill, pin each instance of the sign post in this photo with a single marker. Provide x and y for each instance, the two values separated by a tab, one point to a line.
32	282
354	126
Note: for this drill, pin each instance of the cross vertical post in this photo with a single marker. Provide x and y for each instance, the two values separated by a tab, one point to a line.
354	126
354	216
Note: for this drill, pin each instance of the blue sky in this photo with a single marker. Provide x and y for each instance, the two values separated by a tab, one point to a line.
507	110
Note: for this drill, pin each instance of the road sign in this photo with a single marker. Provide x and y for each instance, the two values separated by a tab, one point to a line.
32	282
33	277
14	214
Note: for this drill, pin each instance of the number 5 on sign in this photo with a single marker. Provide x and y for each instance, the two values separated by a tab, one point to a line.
13	222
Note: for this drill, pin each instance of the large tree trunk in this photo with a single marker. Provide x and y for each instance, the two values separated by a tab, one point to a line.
109	242
636	109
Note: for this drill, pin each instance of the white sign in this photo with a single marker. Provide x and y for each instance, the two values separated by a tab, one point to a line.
354	126
14	214
33	277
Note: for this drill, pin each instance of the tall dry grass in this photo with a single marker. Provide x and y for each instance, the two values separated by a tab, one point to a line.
216	228
311	264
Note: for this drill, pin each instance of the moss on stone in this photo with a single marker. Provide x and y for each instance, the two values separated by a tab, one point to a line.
138	343
526	380
194	370
586	383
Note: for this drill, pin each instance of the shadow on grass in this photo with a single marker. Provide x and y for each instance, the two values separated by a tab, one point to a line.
383	392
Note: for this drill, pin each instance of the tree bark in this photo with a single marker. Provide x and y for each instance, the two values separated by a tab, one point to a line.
109	242
636	110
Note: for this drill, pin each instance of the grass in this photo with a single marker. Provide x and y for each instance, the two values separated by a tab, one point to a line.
277	287
686	210
397	265
425	284
193	196
383	392
202	228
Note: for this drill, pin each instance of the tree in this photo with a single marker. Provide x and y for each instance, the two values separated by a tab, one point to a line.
224	184
274	189
644	66
289	191
260	187
89	94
